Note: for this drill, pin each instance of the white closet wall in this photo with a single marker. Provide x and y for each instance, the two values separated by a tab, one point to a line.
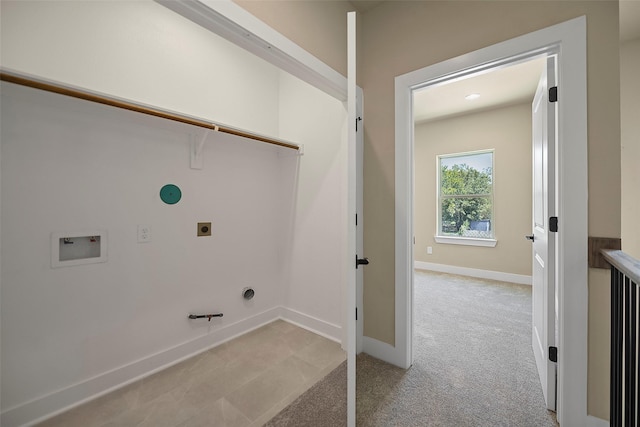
316	242
142	51
69	165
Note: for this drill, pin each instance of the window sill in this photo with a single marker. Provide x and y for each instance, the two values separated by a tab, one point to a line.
467	241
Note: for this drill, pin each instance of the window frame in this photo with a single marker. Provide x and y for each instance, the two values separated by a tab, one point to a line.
464	240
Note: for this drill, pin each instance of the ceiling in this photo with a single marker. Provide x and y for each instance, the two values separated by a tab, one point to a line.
499	87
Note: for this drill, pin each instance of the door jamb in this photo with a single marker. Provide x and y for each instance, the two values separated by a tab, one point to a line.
572	191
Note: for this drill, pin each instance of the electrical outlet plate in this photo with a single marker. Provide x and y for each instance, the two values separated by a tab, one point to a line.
204	229
144	233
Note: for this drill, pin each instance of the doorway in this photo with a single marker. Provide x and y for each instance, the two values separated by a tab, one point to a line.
473	203
570	38
478	131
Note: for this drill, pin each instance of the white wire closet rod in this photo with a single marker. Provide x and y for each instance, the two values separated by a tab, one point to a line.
32	82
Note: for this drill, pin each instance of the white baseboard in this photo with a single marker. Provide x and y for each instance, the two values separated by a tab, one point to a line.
474	272
57	402
596	422
47	406
313	324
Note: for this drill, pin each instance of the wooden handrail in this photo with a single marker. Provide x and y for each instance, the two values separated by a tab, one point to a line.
138	108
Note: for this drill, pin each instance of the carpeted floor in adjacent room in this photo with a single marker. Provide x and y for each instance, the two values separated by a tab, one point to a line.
473	365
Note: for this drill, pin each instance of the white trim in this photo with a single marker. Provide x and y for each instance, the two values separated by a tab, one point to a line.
380	350
240	27
52	404
464	240
475	272
570	40
313	324
467	241
596	422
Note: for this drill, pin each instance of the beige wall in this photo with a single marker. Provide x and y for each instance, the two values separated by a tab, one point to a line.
630	134
630	214
599	326
402	36
320	27
405	36
506	130
467	26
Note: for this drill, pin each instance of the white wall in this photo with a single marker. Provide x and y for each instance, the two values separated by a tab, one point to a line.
278	222
70	165
142	51
316	244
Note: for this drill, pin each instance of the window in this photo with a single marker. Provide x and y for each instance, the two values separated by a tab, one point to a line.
465	198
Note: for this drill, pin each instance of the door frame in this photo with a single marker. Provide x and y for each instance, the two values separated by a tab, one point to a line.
570	39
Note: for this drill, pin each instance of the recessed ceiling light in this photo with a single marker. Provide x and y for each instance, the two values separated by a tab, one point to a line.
472	96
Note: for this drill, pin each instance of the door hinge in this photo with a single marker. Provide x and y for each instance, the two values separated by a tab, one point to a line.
553	224
356	313
358	119
553	94
356	220
553	354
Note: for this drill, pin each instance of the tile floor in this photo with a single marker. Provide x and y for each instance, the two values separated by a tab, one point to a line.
244	382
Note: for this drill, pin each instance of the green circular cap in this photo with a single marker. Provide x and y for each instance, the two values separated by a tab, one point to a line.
170	194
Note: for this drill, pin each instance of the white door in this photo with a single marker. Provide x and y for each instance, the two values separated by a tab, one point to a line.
359	219
544	207
352	201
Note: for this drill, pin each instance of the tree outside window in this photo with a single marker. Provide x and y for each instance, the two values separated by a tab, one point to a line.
466	195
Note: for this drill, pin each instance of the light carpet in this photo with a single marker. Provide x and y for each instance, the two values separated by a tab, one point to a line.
473	365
